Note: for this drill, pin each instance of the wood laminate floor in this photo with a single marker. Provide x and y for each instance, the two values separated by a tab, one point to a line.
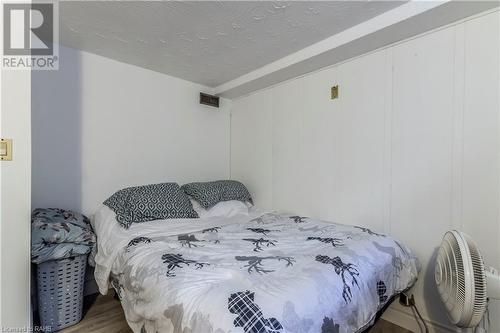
104	314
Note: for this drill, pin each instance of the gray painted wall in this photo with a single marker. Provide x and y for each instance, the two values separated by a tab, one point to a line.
100	125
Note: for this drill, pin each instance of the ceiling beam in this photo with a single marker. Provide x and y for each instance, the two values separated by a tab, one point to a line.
408	20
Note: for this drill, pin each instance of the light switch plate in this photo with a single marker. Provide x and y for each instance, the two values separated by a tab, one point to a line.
5	149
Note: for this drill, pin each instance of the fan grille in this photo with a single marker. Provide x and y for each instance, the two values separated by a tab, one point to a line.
480	288
460	279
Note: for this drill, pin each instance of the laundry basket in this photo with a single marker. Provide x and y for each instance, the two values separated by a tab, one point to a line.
60	292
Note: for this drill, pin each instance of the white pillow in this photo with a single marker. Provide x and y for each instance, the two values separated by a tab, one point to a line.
222	209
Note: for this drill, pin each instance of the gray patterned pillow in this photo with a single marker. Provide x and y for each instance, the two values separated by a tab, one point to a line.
208	194
150	202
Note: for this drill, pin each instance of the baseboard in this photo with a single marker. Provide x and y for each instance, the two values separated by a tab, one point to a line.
409	322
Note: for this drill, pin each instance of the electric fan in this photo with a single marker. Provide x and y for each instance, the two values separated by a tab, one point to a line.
462	280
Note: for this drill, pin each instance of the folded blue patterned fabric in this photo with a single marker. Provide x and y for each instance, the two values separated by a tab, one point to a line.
58	234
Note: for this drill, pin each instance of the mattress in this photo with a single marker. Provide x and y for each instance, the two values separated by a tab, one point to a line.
262	272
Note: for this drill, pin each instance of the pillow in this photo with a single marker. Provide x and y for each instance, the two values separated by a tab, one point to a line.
150	202
222	209
208	194
197	208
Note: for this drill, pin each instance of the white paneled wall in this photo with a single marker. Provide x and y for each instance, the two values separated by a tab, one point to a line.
411	147
253	143
421	150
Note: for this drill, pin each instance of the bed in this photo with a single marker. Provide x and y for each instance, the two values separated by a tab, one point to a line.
255	273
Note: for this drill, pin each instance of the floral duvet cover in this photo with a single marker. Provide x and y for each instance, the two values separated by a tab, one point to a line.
253	274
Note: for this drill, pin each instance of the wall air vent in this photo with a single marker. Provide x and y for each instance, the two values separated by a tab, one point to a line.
210	100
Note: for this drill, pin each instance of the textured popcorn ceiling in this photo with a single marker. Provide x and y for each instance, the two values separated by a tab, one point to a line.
209	42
